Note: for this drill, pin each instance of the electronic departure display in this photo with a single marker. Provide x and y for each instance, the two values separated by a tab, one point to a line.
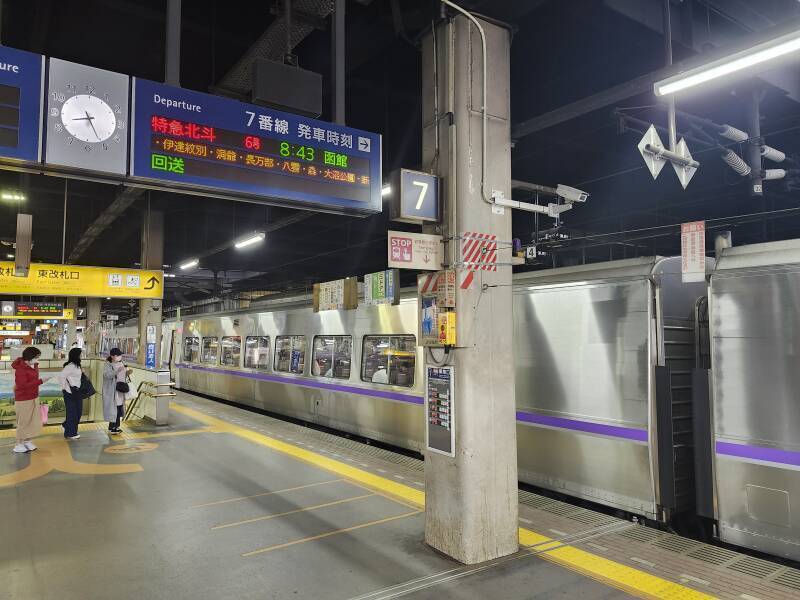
21	85
46	310
192	140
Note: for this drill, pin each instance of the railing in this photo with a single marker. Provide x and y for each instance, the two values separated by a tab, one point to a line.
140	393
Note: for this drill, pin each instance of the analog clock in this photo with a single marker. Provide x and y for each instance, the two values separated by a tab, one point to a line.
87	118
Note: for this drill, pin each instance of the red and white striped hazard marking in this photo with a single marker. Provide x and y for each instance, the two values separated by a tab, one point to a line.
429	282
478	253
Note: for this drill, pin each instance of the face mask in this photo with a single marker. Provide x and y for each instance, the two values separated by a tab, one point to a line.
35	361
117	358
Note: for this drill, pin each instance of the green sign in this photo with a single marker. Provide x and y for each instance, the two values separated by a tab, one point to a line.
382	287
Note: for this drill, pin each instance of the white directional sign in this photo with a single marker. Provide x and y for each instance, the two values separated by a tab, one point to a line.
415	251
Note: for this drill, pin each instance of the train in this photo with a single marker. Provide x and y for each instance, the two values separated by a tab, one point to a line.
634	390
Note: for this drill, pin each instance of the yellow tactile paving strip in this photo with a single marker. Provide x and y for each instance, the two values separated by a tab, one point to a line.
612	573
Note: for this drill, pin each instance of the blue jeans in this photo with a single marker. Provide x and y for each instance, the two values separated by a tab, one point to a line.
74	406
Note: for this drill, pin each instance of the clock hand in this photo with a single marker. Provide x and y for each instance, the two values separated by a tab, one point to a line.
92	124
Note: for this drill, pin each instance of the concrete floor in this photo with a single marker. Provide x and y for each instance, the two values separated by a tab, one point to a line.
213	515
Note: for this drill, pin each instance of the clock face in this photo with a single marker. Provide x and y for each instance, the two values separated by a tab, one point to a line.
88	118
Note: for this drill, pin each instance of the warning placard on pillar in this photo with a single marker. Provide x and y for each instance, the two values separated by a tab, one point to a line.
693	251
440	433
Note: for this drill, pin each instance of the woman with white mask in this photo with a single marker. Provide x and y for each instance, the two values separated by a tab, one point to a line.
26	399
115	387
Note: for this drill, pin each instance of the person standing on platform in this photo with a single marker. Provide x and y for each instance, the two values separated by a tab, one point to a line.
70	380
26	399
114	373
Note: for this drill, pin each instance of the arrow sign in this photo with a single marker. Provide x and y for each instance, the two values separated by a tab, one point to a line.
151	283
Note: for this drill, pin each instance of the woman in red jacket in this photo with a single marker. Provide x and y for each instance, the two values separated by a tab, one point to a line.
26	399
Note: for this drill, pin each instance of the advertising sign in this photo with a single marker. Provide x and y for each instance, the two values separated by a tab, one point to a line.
150	356
91	282
439	410
382	287
21	90
195	140
415	251
693	251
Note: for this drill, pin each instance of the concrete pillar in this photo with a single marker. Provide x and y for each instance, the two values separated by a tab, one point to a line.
72	324
471	501
150	310
92	332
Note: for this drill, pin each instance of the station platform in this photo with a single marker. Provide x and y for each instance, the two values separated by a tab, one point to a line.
225	503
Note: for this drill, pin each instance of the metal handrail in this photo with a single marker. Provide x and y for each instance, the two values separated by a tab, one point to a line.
139	393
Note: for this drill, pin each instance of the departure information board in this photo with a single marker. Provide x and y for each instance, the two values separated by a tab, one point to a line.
21	90
48	310
194	140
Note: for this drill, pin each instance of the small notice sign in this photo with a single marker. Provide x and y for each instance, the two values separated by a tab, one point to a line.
693	251
439	410
341	294
382	287
415	251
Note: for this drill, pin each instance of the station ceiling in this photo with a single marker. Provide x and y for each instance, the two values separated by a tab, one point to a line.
564	56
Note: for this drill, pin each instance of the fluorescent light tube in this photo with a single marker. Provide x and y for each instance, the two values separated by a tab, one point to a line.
738	61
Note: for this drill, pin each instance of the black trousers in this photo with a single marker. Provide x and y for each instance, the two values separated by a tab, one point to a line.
74	409
120	414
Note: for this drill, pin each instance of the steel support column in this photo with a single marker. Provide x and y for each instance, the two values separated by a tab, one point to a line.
338	62
172	71
152	258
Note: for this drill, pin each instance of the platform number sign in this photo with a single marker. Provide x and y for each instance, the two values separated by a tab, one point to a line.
416	198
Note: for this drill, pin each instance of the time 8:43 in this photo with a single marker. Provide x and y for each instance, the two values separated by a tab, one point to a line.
303	152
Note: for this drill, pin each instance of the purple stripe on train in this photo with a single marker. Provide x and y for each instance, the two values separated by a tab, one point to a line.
334	387
625	433
775	455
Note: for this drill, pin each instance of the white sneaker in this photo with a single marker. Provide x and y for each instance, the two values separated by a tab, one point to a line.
75	437
30	445
20	449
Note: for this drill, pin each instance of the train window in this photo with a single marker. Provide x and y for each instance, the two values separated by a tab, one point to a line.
210	350
290	353
256	352
389	359
231	351
332	355
191	349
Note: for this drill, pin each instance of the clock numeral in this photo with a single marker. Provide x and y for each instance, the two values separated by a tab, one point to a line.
54	112
116	138
106	97
58	96
70	140
88	148
90	88
71	88
118	109
58	127
120	124
105	146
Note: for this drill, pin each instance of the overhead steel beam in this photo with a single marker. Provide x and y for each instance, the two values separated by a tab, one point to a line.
121	203
612	95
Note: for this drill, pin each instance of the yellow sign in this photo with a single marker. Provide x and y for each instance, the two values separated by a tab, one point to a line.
69	315
89	282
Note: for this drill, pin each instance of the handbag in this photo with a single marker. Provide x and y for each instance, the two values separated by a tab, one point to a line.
123	387
86	389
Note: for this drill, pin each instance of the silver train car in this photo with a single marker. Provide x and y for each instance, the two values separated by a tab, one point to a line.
754	314
590	345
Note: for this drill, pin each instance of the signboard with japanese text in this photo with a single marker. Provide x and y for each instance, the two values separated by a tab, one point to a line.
89	282
693	251
150	356
34	310
382	287
341	294
415	251
198	142
415	197
439	410
21	91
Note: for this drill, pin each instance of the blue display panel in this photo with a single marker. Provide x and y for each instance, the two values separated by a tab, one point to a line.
21	89
195	140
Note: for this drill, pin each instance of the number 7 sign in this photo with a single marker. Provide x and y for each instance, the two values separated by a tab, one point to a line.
415	197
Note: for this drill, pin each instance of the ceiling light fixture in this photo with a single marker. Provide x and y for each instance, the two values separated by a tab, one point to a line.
386	191
11	256
12	196
737	61
189	264
250	240
169	274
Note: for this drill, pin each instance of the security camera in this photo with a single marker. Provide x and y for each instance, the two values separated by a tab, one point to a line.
571	194
155	308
